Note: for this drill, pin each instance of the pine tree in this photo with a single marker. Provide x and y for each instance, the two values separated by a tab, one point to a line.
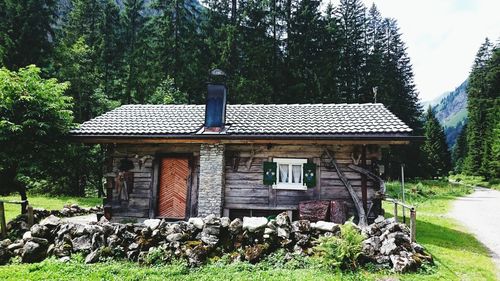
254	82
221	31
26	32
460	150
174	29
490	167
477	109
374	34
351	22
435	150
304	48
330	56
397	92
112	51
77	58
133	23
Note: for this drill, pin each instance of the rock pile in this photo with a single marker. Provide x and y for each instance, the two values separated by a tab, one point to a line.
389	246
250	239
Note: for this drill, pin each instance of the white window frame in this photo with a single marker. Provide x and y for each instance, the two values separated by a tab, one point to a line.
290	162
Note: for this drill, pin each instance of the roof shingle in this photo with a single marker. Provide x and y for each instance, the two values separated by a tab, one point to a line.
259	119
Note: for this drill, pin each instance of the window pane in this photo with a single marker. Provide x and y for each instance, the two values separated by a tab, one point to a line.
283	173
297	173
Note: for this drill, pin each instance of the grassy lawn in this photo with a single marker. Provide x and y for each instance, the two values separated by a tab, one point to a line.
49	203
476	181
458	255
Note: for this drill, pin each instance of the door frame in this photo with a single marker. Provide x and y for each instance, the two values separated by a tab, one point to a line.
153	204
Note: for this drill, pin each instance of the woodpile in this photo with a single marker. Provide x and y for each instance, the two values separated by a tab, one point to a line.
389	246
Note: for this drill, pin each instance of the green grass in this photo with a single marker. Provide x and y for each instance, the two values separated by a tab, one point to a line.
476	181
458	255
46	202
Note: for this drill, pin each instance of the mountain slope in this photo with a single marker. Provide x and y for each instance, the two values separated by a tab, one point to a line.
451	111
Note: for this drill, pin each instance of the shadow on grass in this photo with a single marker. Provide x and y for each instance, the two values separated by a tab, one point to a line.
441	236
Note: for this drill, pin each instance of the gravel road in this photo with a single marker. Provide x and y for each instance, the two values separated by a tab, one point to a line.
479	212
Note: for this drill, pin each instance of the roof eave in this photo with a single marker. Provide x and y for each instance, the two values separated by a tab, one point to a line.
382	138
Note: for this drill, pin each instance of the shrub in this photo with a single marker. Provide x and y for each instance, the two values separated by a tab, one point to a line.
155	257
342	251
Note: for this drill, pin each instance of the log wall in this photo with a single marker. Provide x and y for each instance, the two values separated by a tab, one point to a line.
245	190
143	199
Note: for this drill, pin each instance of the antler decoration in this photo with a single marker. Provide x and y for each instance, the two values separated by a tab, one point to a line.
143	159
355	161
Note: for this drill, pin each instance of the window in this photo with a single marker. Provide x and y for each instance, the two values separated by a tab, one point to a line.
289	173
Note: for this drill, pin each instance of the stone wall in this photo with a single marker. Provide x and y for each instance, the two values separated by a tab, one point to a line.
387	243
211	187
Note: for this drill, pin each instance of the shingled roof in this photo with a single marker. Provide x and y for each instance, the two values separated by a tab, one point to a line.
248	120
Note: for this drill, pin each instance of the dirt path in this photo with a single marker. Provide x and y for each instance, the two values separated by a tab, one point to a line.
480	213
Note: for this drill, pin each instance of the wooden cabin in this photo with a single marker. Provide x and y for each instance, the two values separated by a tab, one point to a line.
181	161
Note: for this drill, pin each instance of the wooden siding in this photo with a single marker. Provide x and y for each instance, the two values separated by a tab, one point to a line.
143	200
245	190
243	179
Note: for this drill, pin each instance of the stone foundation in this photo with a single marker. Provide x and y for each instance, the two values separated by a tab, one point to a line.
211	187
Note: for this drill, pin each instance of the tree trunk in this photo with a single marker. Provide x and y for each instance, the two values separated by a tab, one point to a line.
363	221
9	183
24	197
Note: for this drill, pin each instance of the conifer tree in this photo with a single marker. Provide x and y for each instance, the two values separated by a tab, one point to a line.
330	56
459	150
477	106
174	30
26	32
374	34
304	45
133	23
435	150
351	22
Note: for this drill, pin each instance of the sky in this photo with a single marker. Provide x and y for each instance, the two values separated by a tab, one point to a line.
442	37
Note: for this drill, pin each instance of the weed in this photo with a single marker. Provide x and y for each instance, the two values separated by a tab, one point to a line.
340	251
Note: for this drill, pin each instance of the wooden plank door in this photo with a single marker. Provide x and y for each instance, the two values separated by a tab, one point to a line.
173	187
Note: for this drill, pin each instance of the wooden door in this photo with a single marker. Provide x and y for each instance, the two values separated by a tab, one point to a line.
173	187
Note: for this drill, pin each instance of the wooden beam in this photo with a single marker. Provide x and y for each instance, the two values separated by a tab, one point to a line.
154	189
31	218
259	207
273	201
359	207
3	224
413	225
364	193
317	188
291	141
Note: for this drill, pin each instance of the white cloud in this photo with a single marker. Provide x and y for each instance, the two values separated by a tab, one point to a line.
442	37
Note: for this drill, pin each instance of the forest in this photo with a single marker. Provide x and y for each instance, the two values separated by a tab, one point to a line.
85	57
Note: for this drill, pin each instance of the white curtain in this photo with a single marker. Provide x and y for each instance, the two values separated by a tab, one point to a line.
283	173
296	173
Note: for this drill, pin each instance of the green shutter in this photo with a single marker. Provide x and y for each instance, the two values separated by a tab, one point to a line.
310	174
269	173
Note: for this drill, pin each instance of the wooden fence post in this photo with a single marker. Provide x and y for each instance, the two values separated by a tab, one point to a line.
3	225
413	225
31	219
395	212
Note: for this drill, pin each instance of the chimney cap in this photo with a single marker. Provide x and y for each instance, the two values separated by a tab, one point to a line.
217	73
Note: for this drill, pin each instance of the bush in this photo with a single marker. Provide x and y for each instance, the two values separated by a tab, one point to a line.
340	252
155	257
